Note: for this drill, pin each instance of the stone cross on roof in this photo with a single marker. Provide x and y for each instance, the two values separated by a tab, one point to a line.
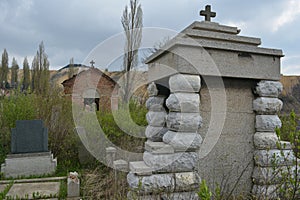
207	13
92	63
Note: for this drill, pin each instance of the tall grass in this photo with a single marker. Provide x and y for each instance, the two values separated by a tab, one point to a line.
56	113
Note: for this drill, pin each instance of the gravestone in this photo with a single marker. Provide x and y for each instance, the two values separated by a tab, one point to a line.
73	185
29	151
29	136
220	115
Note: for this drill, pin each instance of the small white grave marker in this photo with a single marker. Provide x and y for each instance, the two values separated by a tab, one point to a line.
73	185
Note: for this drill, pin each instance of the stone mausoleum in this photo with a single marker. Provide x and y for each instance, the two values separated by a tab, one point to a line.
212	116
93	89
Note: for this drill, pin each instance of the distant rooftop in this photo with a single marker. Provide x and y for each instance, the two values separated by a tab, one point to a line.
73	65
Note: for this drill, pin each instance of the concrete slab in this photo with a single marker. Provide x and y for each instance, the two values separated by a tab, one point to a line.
2	187
35	180
18	165
50	199
22	190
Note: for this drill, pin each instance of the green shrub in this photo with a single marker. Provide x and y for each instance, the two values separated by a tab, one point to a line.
204	193
56	113
15	107
120	127
289	132
290	185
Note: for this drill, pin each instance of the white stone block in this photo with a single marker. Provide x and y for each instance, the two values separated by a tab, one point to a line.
121	165
184	122
153	183
177	162
152	90
155	134
270	175
269	88
265	140
164	183
269	158
156	119
183	141
274	175
155	103
183	102
187	181
158	147
265	191
267	123
185	83
266	105
131	195
140	168
285	145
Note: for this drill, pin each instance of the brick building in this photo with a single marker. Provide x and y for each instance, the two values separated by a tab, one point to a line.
92	87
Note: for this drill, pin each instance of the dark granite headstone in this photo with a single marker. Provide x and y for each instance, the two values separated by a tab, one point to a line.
29	136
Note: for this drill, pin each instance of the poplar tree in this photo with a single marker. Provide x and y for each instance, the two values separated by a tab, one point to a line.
14	73
4	69
34	83
26	74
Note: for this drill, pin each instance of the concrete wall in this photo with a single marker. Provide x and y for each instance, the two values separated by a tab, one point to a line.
232	156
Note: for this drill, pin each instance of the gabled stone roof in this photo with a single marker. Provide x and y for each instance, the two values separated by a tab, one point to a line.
208	48
216	36
90	70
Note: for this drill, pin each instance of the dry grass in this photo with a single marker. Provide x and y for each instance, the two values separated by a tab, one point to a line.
104	183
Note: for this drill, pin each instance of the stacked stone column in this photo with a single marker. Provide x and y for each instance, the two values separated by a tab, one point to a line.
156	116
170	158
271	156
184	118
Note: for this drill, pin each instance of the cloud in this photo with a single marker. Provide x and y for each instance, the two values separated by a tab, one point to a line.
68	28
288	15
290	65
74	28
291	70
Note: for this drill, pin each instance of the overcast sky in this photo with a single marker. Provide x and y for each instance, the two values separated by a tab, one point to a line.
72	28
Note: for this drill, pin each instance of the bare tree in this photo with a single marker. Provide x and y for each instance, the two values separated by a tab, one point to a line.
132	22
40	71
71	70
160	45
